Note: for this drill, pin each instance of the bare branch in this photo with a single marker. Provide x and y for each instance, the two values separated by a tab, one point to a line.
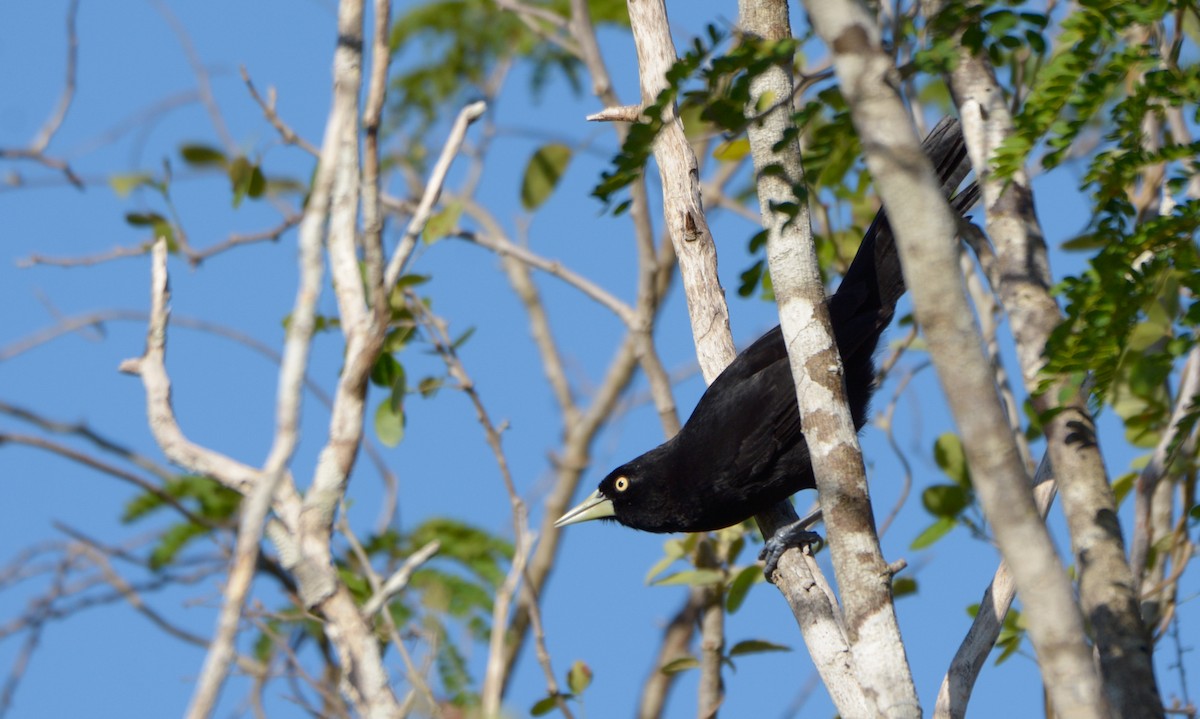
36	624
924	228
285	131
682	209
499	244
498	664
433	189
203	83
271	234
109	469
981	638
675	642
1106	584
1156	469
115	253
37	147
624	113
151	368
399	579
222	651
881	675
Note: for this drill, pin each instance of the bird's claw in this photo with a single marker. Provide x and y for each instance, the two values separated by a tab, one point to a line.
786	537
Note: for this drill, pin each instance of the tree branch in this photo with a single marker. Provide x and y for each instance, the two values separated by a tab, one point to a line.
1106	584
924	226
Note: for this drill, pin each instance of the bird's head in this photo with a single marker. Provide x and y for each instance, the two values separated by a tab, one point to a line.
635	494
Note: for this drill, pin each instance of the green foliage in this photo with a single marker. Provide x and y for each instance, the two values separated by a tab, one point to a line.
679	664
545	169
1012	632
443	222
1079	79
692	578
246	178
740	585
203	496
579	678
484	554
448	598
946	502
903	586
460	42
628	164
1126	323
1127	319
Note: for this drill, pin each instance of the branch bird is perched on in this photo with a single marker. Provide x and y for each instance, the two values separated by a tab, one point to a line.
743	448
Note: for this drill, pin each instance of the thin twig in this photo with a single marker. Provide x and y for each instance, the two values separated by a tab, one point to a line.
109	469
399	579
505	248
497	665
285	131
433	189
46	133
203	82
221	651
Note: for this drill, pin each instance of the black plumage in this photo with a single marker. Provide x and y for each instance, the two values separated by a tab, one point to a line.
742	450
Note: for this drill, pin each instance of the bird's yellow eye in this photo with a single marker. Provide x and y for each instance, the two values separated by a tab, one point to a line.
621	484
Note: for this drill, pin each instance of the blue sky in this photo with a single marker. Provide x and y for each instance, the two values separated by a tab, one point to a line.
597	606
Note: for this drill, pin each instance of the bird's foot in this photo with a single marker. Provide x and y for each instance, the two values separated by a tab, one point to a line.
786	537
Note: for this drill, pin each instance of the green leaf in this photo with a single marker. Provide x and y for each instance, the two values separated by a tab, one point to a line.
949	455
123	185
386	371
429	386
692	578
245	179
143	219
732	150
1122	485
740	586
756	646
389	423
932	533
547	704
658	567
945	500
198	155
412	280
462	339
679	665
442	223
902	586
172	543
542	174
579	676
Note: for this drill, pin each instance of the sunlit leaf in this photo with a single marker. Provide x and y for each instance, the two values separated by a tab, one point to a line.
679	665
692	577
933	533
123	185
740	586
950	457
443	222
579	677
389	423
732	150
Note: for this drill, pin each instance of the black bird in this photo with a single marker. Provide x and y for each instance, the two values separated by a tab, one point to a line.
743	449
